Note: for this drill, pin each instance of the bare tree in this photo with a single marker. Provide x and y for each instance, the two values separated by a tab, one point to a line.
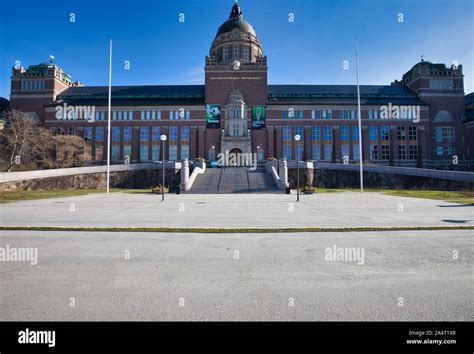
15	138
69	151
43	148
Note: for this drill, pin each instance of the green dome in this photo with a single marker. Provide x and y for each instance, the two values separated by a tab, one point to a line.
236	21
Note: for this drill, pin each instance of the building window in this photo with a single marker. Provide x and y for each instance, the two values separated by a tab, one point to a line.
173	143
441	84
355	142
373	138
235	129
99	141
444	134
413	152
445	137
144	138
283	114
156	143
402	153
184	143
374	151
116	138
287	139
344	140
225	54
127	142
327	142
88	134
299	145
373	133
412	134
385	152
316	139
384	133
235	53
401	133
245	54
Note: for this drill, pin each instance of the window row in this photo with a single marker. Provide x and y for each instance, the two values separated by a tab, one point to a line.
236	53
32	85
350	114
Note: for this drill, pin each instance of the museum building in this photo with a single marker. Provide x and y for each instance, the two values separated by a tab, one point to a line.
419	120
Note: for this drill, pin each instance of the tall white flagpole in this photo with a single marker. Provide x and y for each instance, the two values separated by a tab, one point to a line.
360	121
108	119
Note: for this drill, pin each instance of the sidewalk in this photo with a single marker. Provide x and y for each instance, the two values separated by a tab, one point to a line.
345	209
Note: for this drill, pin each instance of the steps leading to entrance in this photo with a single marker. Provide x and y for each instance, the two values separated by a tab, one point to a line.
233	180
261	182
207	183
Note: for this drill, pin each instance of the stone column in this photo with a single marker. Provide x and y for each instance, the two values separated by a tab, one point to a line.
283	173
184	174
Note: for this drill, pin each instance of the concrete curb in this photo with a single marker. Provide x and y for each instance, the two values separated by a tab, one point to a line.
211	230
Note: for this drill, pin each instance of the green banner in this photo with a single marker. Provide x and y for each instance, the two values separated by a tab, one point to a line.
213	116
259	117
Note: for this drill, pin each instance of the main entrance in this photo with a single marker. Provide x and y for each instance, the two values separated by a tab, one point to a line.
236	151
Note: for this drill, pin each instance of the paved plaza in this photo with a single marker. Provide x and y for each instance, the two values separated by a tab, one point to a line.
343	209
239	276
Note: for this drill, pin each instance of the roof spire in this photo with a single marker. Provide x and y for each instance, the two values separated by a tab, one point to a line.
236	13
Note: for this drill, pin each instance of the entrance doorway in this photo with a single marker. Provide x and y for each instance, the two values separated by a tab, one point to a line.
235	161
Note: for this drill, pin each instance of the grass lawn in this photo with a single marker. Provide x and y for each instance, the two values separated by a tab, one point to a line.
463	197
6	197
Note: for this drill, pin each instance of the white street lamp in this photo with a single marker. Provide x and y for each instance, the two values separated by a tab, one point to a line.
297	139
163	139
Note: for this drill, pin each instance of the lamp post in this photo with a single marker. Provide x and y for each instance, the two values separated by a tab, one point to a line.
297	139
163	139
258	154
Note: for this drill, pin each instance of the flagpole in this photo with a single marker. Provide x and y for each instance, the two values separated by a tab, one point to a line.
108	119
360	120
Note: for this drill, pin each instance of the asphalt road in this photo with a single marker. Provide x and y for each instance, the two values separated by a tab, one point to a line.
239	276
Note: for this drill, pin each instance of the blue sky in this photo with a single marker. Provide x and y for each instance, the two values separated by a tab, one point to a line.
162	50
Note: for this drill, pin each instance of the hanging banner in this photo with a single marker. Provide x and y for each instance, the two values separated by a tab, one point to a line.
259	117
213	116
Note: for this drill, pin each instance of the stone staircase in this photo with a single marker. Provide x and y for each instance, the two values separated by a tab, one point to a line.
233	180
